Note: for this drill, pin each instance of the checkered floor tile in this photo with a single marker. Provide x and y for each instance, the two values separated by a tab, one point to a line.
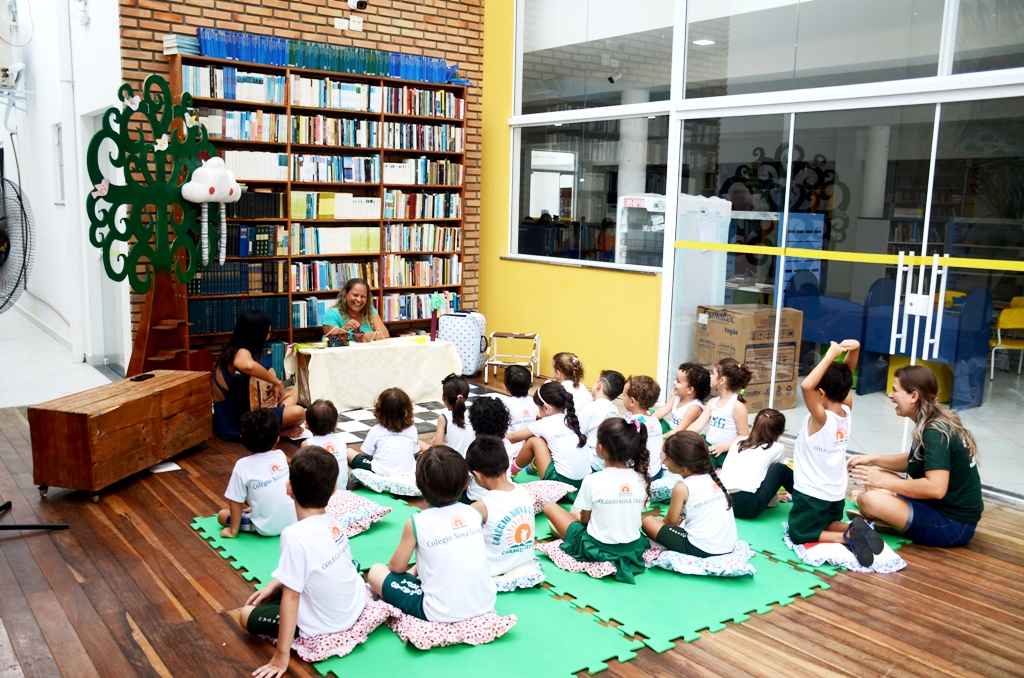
355	424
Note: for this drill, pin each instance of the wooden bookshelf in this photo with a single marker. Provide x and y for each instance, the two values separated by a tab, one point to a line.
364	189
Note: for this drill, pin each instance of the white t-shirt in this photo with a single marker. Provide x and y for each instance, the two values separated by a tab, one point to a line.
522	412
745	471
474	491
708	521
333	443
615	498
316	562
394	454
457	437
820	459
261	481
654	441
451	560
569	459
509	529
675	417
601	409
581	397
721	422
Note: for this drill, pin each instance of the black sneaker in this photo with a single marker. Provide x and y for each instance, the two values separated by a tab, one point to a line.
855	541
859	526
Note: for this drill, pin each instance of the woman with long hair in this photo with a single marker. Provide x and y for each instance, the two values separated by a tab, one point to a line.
354	315
238	363
939	502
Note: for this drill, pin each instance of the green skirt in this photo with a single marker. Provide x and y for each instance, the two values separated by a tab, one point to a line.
628	559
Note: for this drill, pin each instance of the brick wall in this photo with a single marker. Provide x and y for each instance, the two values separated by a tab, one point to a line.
450	29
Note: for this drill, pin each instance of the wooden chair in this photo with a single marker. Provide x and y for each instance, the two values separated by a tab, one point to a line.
1010	319
496	359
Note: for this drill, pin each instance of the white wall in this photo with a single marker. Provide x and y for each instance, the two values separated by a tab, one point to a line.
72	71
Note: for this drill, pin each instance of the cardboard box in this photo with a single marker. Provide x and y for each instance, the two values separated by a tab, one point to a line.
746	332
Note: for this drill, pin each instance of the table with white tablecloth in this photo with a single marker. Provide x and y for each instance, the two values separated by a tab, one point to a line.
352	376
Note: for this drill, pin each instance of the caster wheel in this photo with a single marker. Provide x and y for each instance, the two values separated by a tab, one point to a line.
95	498
43	489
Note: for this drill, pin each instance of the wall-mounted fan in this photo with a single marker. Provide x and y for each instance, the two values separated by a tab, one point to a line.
16	235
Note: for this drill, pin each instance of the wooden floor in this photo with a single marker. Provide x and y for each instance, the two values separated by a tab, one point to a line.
131	590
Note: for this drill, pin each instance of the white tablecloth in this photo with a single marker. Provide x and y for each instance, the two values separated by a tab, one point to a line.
352	376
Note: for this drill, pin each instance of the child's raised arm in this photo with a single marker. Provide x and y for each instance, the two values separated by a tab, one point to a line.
677	504
852	348
809	386
700	423
666	407
403	552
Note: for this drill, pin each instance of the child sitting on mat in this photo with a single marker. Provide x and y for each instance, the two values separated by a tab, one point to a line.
639	396
315	588
608	387
605	521
322	420
390	447
554	443
521	408
452	580
753	471
724	419
452	428
488	417
692	387
256	493
568	370
820	475
699	521
507	508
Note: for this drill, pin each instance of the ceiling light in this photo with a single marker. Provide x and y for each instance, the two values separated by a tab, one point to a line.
703	42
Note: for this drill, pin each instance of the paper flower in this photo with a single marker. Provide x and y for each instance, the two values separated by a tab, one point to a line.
133	102
101	189
212	182
161	143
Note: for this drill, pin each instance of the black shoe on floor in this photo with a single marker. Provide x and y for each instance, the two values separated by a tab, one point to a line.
860	527
858	545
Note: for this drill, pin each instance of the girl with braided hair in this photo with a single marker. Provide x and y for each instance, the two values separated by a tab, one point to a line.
700	520
554	443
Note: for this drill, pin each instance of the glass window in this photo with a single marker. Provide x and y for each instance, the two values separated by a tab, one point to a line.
989	35
588	53
737	47
594	191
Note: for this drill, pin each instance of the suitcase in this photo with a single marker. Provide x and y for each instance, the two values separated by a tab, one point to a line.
467	332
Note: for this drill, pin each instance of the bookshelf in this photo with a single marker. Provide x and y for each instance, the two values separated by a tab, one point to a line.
284	119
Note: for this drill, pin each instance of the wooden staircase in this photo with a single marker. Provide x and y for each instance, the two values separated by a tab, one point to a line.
161	341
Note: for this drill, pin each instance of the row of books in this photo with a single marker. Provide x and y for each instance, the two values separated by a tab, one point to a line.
416	306
257	241
257	165
258	205
336	168
422	238
180	44
328	131
244	125
401	205
311	311
319	276
327	93
426	102
423	171
267	49
335	240
324	205
416	137
400	271
230	83
240	277
219	315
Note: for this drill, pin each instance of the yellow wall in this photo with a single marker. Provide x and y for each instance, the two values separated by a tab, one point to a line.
609	318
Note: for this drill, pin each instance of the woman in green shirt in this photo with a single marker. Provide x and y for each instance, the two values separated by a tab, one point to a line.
354	314
939	502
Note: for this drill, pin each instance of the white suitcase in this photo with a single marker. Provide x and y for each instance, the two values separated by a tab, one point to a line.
468	332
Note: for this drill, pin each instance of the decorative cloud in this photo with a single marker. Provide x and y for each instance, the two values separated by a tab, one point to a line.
212	182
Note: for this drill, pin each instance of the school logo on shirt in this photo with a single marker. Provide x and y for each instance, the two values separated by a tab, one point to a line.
335	532
514	531
717	422
458	523
625	489
329	447
523	534
275	468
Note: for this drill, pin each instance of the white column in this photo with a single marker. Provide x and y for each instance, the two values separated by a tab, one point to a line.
633	146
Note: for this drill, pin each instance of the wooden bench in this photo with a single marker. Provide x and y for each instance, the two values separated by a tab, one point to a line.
90	440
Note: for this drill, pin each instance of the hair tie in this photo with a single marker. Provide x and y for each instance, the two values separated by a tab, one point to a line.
638	424
460	397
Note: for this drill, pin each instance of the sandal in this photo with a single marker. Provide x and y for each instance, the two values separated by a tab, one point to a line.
855	541
859	526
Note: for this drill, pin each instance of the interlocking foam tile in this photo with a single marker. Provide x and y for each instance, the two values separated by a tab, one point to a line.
664	606
551	639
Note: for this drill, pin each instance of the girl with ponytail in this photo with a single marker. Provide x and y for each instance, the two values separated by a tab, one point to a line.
606	517
452	428
568	369
553	443
724	420
700	520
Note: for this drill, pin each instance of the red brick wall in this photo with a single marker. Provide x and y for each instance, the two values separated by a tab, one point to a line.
450	29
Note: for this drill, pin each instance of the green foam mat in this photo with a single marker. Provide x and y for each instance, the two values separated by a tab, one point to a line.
551	639
764	534
665	606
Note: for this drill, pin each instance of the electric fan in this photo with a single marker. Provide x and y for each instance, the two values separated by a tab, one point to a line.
15	243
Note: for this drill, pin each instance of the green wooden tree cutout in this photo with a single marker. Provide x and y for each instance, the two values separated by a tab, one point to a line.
155	145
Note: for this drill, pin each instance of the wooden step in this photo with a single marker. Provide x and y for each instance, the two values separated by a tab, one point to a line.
165	356
169	324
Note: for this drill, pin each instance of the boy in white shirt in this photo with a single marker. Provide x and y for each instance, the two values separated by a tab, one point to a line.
607	389
256	492
316	588
322	420
521	408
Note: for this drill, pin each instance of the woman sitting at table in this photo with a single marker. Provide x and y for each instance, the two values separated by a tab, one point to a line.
355	315
939	502
238	363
